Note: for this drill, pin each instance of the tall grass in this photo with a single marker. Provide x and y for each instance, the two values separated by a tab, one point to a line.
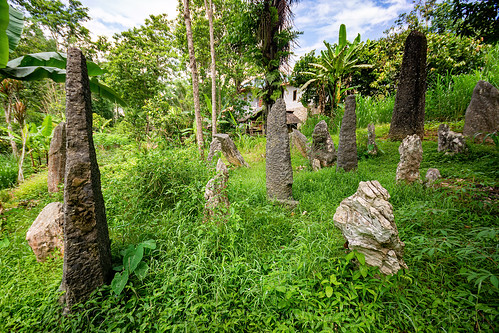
8	171
376	110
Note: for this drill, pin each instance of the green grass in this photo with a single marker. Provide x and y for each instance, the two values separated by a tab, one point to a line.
267	268
8	171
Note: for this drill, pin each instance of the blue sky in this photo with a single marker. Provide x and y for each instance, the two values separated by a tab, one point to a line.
318	19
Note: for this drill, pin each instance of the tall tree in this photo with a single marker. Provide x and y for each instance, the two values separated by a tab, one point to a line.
195	82
209	11
274	37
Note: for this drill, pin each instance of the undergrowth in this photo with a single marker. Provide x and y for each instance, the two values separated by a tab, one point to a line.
267	268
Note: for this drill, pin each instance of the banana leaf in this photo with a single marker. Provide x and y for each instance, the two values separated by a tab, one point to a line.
11	27
51	59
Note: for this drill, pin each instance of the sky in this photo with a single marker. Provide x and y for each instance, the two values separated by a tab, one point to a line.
319	20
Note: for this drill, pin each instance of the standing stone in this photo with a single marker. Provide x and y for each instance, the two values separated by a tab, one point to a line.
46	233
87	252
279	173
408	111
482	114
347	147
57	158
450	141
215	146
228	148
372	147
301	143
215	194
432	175
367	223
411	155
322	153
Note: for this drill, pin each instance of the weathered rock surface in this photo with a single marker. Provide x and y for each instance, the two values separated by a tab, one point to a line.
228	148
322	153
301	143
450	141
432	175
347	146
87	253
215	194
482	114
411	155
57	158
46	233
215	146
409	107
372	147
279	173
367	223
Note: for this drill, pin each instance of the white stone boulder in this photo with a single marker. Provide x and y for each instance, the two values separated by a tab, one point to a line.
46	233
367	223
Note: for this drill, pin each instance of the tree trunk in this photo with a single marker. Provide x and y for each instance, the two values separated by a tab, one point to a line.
195	83
209	10
8	120
24	135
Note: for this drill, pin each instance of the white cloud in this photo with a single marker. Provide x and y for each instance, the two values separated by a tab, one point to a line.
320	20
112	16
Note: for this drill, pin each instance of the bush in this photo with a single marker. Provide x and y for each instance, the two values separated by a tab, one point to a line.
8	171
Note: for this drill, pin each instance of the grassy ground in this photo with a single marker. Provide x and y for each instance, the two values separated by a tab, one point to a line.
268	268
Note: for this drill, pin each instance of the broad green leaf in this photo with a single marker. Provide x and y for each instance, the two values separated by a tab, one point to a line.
4	40
119	282
141	270
329	291
51	59
33	73
350	256
47	126
342	36
134	260
363	270
281	289
105	91
15	28
494	281
149	244
360	257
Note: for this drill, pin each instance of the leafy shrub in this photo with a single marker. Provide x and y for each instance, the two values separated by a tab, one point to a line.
8	171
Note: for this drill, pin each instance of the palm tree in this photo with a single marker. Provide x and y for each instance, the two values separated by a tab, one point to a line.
274	37
209	11
195	81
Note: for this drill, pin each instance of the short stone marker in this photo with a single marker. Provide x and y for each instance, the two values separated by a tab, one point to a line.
450	141
372	147
367	223
482	114
301	143
223	143
46	234
347	146
279	173
87	252
322	153
409	107
217	201
411	155
57	158
432	175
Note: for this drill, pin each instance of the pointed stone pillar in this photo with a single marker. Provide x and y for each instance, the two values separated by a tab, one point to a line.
347	147
57	158
409	108
279	173
87	252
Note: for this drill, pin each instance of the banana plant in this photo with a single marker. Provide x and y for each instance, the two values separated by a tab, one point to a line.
337	63
52	65
11	27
